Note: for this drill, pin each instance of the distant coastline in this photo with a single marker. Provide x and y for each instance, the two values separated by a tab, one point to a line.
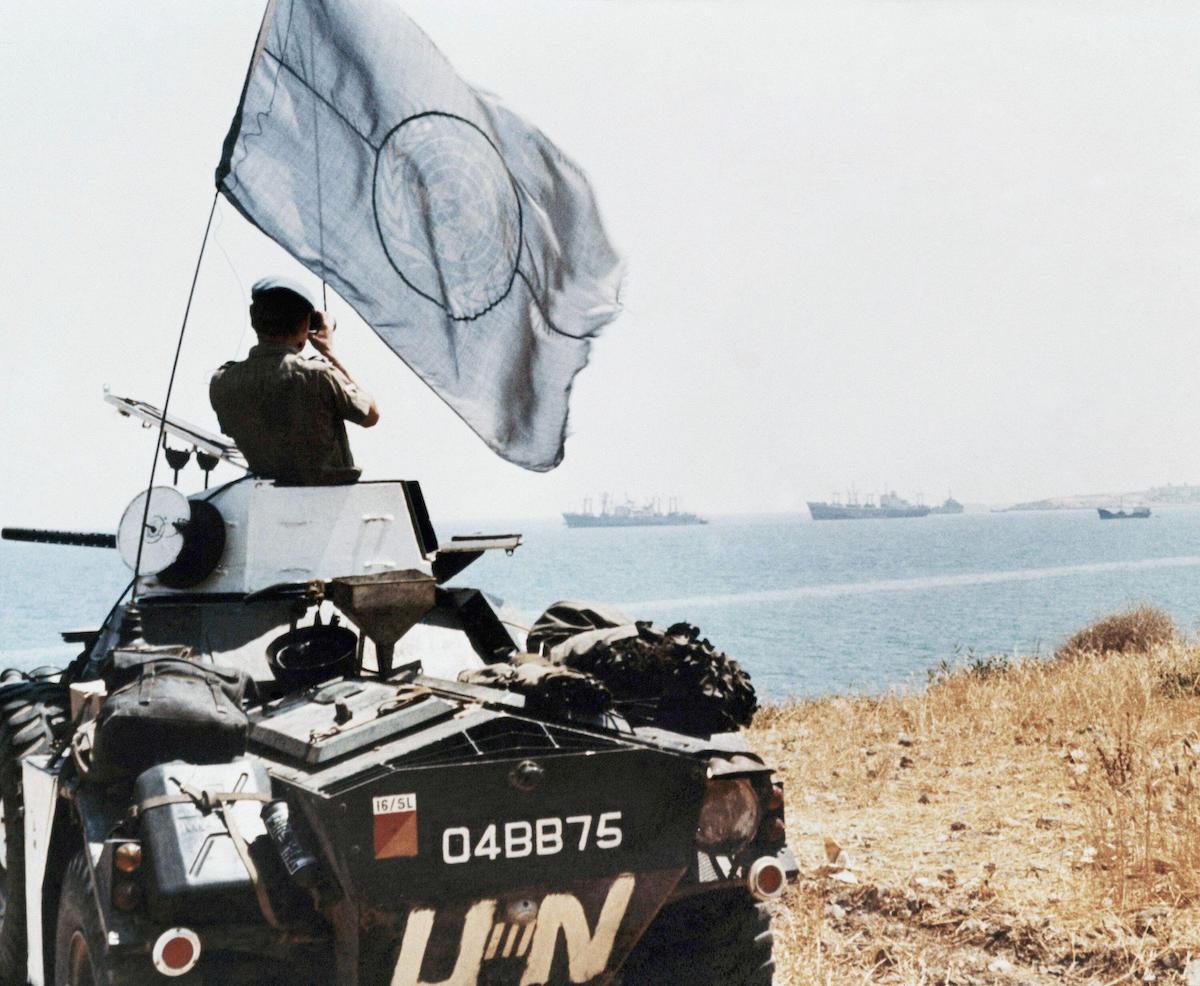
1181	494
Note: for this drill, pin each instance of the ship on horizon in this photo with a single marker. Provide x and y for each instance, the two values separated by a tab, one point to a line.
890	507
631	514
949	506
1137	513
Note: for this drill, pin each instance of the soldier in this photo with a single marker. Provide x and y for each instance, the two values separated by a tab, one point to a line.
287	413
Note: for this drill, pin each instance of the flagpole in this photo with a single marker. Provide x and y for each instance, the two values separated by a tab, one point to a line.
312	67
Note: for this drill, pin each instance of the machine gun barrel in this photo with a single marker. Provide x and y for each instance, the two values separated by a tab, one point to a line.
80	538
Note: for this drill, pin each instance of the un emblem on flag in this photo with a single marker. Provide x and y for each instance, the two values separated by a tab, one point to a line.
447	213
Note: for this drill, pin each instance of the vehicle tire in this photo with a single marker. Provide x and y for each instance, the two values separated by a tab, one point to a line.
79	948
81	956
32	715
714	939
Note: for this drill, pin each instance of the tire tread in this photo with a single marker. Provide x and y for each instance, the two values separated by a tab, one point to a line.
32	715
718	939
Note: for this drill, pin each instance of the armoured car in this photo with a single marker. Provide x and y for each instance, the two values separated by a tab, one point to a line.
275	763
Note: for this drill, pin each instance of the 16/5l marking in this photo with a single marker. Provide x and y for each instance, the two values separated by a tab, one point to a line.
541	837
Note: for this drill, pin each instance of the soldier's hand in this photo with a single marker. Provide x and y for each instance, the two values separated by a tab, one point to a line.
320	331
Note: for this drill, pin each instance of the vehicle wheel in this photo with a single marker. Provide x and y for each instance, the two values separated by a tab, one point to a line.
81	956
79	949
32	715
715	939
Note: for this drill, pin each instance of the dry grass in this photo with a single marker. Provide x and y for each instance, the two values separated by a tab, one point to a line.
1136	630
1039	823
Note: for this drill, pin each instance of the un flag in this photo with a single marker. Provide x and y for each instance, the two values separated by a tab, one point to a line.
458	231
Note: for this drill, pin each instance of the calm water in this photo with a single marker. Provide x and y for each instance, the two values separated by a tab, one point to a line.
808	608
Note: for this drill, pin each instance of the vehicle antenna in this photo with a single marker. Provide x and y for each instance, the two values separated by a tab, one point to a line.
162	424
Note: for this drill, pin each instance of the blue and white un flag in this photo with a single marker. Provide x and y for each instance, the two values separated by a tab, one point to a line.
464	237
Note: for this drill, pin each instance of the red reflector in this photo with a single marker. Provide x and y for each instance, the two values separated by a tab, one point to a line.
766	879
177	953
770	880
774	832
775	802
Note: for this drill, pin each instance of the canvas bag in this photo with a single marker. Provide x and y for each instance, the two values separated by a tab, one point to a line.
169	706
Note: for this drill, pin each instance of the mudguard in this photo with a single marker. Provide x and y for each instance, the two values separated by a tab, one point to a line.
40	786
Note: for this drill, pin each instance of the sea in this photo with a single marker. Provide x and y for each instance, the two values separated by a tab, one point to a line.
808	608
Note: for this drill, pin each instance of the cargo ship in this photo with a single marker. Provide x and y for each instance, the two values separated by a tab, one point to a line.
890	507
949	506
630	514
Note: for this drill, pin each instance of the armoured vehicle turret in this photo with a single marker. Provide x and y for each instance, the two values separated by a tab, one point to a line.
294	755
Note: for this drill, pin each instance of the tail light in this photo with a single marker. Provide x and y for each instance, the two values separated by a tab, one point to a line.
773	832
126	895
775	800
128	857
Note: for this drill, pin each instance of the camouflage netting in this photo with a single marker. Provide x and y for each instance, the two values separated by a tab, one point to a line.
549	690
674	679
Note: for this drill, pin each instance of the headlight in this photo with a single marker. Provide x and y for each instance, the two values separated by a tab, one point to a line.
730	815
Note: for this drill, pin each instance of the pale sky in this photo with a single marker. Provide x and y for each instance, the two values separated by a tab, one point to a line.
922	243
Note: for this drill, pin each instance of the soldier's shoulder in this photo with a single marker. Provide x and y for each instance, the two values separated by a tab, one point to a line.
221	370
314	366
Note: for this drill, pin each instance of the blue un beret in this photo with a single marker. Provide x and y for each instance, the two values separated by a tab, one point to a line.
283	284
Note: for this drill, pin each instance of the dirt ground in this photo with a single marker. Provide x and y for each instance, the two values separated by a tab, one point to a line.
1012	822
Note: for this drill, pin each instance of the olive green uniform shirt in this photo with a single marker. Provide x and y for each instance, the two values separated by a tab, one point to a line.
287	414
